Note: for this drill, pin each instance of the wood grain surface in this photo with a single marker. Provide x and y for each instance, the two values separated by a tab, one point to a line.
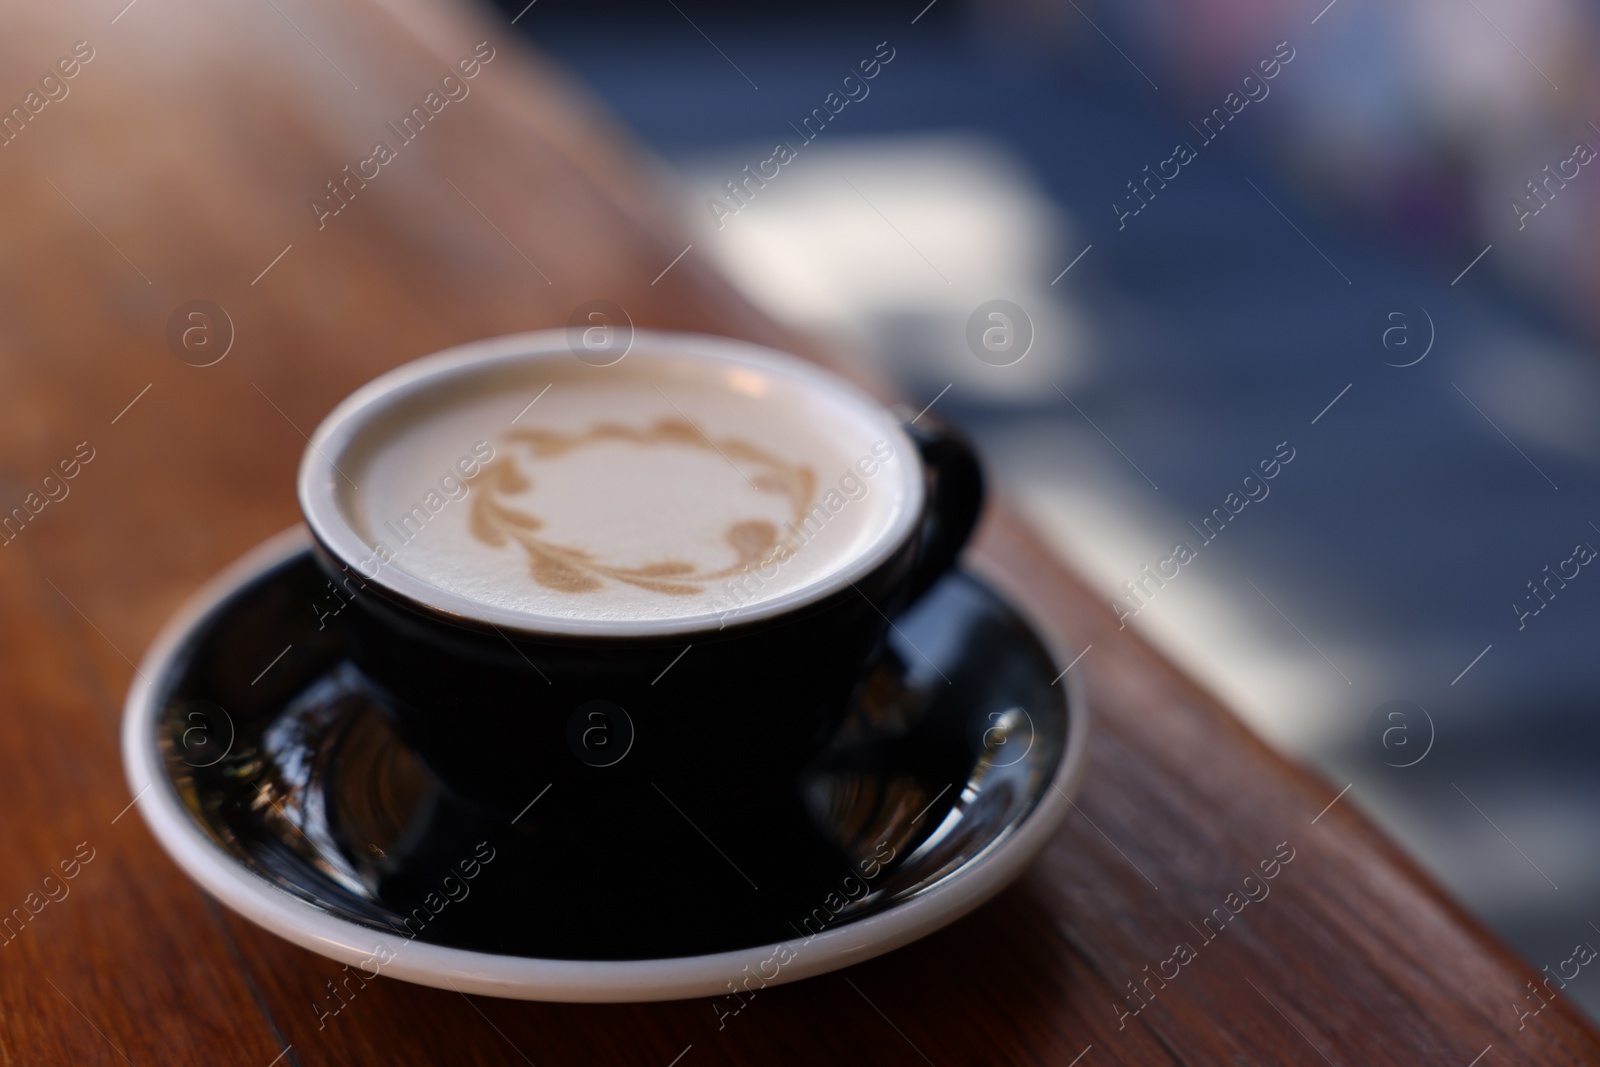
178	163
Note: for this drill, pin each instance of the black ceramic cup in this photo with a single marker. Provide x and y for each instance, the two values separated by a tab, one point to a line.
716	697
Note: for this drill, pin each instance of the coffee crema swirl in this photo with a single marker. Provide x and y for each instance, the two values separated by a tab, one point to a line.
571	569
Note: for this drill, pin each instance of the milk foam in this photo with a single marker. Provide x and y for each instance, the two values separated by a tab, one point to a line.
663	487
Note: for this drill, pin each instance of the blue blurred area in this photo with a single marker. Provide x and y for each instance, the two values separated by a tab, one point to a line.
1224	319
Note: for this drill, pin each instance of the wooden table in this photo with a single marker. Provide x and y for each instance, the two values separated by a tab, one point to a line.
180	164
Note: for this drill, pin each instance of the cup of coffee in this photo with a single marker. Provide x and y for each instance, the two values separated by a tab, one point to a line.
671	571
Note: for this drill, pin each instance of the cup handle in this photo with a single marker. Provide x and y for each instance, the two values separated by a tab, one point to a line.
954	499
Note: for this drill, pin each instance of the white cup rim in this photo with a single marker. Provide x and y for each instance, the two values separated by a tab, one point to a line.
319	476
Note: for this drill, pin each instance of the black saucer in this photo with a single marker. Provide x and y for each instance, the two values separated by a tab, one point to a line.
275	748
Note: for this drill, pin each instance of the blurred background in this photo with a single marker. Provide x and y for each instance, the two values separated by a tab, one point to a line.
1355	234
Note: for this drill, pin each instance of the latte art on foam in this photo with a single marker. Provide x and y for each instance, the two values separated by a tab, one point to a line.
659	488
577	570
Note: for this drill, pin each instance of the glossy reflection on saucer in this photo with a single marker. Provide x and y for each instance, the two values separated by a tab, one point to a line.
292	799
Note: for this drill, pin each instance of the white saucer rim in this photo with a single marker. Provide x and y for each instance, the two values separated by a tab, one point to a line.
527	978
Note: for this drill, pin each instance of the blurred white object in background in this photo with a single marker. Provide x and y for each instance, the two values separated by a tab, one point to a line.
888	246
